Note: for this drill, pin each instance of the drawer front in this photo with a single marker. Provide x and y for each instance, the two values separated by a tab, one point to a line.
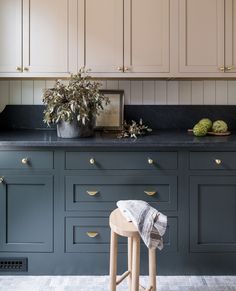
213	160
26	160
121	160
92	235
100	193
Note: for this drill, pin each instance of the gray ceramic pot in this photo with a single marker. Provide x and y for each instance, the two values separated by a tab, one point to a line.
76	129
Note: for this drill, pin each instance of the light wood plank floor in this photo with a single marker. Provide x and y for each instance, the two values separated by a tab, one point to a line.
100	283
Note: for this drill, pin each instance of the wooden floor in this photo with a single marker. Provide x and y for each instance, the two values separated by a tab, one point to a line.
89	283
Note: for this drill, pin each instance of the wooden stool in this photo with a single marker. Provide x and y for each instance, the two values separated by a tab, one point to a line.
120	226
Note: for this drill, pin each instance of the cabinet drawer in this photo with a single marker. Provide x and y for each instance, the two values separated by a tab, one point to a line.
121	160
100	193
26	160
92	235
213	160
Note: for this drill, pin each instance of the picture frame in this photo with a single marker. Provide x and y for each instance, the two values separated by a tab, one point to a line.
112	117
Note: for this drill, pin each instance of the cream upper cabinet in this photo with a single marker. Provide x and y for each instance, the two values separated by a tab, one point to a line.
10	36
201	36
46	42
146	36
101	35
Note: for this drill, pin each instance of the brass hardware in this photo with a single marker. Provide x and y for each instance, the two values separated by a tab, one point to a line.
26	69
92	161
19	69
1	180
218	161
150	161
120	69
229	68
126	69
92	234
24	161
222	69
92	193
150	193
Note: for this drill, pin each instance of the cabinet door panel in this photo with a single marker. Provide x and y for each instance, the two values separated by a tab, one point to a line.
201	35
46	37
26	212
212	214
10	35
146	35
101	43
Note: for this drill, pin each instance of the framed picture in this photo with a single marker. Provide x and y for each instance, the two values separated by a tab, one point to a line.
111	118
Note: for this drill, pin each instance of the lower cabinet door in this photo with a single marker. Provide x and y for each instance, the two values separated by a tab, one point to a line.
213	214
92	235
26	214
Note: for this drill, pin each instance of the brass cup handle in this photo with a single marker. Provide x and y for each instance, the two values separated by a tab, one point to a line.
150	193
92	161
18	69
218	161
25	161
229	68
120	69
92	193
222	69
126	69
1	180
26	69
92	234
150	161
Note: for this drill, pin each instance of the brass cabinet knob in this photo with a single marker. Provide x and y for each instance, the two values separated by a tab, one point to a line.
150	193
19	69
150	161
218	161
229	68
92	234
222	69
1	180
120	69
92	193
25	161
92	161
26	69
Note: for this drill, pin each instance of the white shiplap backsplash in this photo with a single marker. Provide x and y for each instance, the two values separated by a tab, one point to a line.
136	91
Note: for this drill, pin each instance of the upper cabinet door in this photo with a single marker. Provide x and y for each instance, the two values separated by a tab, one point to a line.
201	31
10	36
230	36
101	35
46	36
146	36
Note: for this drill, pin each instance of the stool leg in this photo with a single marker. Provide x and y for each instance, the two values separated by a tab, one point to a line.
130	250
152	268
135	263
113	261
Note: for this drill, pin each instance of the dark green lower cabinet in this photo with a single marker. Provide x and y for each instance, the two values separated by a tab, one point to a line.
213	214
26	214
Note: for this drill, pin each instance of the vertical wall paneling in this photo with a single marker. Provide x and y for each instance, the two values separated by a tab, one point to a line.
185	92
221	92
172	92
4	94
209	92
50	84
148	92
232	92
113	84
27	92
161	92
38	91
136	92
126	86
15	92
197	92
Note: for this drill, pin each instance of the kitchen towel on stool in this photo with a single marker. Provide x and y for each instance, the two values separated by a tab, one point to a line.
150	223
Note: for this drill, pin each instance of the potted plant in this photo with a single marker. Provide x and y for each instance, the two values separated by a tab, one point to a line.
74	107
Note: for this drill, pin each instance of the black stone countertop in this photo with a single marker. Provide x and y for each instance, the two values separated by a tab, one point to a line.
158	139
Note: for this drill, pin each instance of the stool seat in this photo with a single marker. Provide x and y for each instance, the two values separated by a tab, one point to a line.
120	225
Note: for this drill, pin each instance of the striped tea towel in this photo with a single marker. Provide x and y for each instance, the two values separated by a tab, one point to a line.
150	223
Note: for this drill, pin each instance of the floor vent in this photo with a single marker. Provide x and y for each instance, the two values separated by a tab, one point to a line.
13	265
